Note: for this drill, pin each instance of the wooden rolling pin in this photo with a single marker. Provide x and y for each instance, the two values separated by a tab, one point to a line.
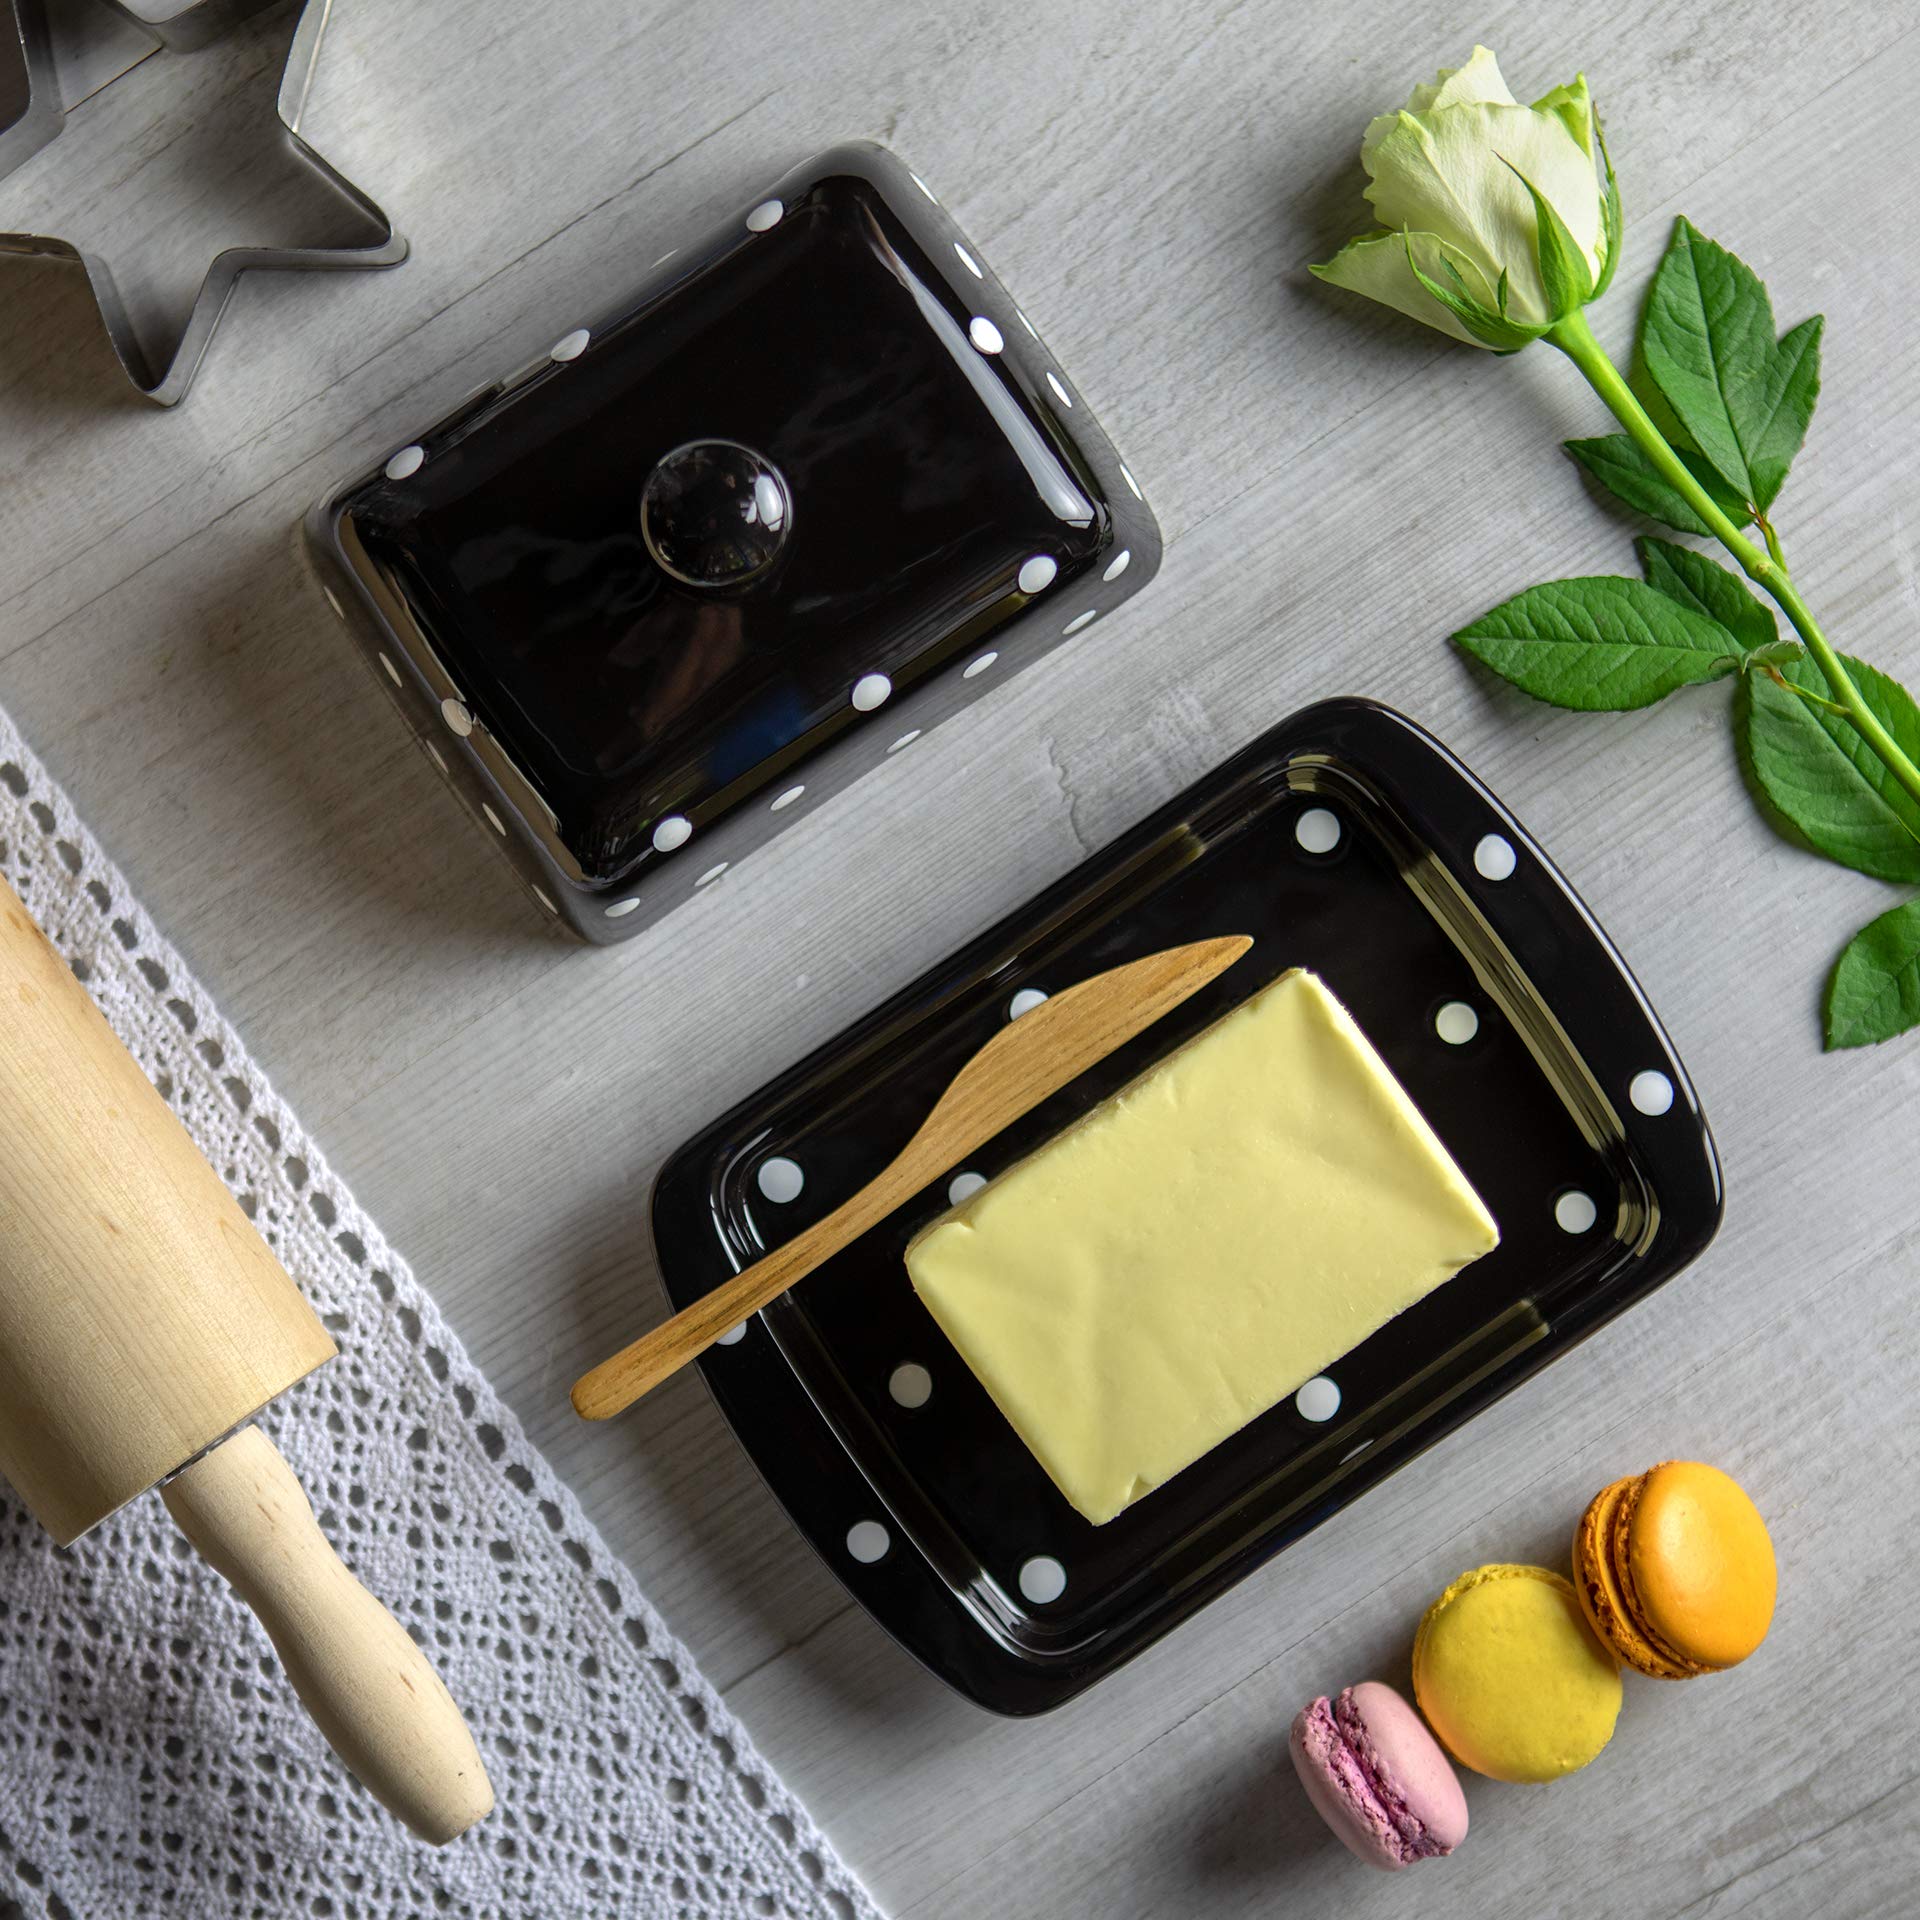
143	1322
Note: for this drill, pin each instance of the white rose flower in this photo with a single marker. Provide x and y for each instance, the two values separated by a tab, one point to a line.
1494	220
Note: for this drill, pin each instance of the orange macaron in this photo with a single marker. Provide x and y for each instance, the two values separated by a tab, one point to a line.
1675	1570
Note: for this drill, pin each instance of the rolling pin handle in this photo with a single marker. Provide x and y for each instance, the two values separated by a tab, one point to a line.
373	1693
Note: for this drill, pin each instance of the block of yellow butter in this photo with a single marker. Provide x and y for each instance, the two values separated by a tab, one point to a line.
1199	1245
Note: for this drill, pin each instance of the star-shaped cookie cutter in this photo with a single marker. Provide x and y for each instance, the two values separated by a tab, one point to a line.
31	116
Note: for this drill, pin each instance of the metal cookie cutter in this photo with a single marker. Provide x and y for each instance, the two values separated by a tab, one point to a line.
30	109
31	116
186	24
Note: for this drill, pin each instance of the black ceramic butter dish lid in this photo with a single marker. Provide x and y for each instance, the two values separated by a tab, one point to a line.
711	558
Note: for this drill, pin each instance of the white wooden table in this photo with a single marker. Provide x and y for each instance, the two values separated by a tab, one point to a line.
1339	491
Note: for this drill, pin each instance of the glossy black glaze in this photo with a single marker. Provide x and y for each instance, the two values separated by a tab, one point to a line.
624	701
1398	921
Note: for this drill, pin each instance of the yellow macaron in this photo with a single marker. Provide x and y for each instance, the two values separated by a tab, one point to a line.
1511	1677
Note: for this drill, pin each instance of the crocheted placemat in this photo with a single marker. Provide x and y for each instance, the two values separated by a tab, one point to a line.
152	1759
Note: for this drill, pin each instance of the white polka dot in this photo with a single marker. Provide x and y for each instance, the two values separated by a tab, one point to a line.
905	740
963	1186
922	185
1024	1002
1059	388
570	346
786	799
1036	575
1080	620
334	603
978	666
540	894
434	754
393	672
1575	1213
1317	830
781	1179
1494	858
406	463
1118	564
620	909
911	1385
674	831
968	261
457	717
732	1337
765	216
493	819
868	1541
871	690
1318	1400
713	873
984	334
1651	1092
1126	474
1456	1023
1043	1579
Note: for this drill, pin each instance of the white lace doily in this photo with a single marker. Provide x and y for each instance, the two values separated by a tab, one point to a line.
152	1760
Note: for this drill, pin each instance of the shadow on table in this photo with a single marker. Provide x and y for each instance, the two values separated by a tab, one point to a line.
319	759
56	362
1259	1827
679	1500
665	1481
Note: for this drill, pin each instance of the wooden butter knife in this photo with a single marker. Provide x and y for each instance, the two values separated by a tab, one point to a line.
1030	1058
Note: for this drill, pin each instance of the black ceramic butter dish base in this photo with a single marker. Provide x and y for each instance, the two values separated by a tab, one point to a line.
1348	841
654	597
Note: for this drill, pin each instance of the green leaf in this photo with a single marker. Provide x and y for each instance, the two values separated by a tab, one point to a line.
1668	425
1697	582
1875	989
1600	645
1619	466
1707	341
1815	771
1564	276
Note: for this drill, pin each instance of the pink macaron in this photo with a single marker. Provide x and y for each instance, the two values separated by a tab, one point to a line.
1378	1777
